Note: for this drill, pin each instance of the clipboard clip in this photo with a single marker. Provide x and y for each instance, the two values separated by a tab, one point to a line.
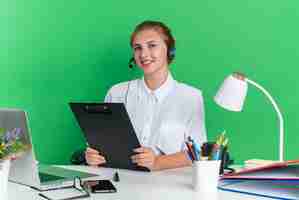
98	109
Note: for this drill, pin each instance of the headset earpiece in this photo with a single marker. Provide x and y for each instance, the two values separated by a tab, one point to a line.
171	53
131	62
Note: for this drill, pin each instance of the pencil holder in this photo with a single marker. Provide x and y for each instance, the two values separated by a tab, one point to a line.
223	155
205	175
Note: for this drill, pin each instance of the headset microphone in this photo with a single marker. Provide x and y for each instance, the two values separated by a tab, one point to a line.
131	62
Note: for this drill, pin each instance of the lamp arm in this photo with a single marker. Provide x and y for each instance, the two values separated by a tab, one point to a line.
281	123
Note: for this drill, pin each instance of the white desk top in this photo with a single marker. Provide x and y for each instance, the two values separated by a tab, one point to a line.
168	184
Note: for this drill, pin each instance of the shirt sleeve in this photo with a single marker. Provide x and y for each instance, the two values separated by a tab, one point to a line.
196	127
108	97
117	93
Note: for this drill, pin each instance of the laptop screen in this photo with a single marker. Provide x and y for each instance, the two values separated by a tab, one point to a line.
25	170
22	170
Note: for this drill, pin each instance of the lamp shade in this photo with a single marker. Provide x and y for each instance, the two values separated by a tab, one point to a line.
232	93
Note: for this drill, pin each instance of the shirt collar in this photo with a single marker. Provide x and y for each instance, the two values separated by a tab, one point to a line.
161	92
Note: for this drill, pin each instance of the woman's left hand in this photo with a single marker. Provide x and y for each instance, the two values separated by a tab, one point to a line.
145	157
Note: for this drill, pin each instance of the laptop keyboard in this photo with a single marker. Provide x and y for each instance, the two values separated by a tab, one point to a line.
44	177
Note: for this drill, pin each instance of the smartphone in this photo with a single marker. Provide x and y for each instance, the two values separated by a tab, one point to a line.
100	186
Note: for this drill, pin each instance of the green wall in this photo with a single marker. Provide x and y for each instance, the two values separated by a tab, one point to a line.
53	52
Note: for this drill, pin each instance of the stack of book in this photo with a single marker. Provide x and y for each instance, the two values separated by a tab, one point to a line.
274	179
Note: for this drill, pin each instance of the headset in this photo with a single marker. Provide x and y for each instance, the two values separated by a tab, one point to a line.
131	63
170	56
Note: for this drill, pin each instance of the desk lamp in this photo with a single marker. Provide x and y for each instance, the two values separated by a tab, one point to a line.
232	94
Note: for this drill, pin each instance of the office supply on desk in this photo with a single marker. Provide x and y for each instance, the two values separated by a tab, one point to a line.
231	96
174	184
25	169
205	165
288	170
278	189
100	186
75	191
107	128
219	147
116	177
205	175
192	152
210	151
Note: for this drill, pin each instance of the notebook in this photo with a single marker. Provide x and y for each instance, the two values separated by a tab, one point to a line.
287	170
278	189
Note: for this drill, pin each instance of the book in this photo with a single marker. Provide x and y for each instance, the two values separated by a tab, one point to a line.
278	189
287	170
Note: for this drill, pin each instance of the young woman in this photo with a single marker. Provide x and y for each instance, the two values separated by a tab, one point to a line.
163	111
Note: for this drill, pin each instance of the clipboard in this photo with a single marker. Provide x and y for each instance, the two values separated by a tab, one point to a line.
108	129
287	170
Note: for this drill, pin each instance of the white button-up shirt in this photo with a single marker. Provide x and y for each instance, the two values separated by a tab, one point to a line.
165	117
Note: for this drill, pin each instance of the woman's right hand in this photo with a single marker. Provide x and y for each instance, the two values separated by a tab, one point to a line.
93	157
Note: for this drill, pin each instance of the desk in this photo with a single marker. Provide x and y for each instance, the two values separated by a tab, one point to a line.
168	184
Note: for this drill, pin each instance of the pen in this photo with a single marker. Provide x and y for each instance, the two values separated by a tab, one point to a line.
225	142
195	147
160	150
190	151
196	150
220	138
206	148
216	152
189	155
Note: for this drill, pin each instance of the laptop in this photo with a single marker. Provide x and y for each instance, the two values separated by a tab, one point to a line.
25	169
107	128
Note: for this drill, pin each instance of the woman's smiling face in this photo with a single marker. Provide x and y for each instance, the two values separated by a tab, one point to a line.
150	52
